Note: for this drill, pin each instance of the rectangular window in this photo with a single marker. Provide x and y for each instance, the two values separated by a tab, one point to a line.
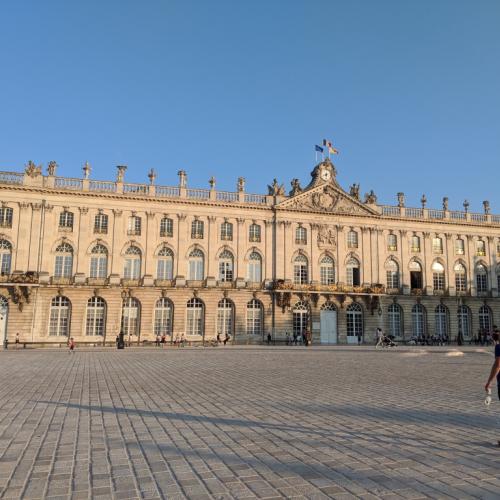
254	233
480	248
134	226
66	220
254	323
166	228
226	231
459	247
482	283
352	239
101	224
415	244
301	236
197	229
6	217
437	245
460	282
392	243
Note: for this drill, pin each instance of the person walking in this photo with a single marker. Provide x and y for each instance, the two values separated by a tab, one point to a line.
295	338
71	345
227	338
269	338
359	338
380	337
495	369
17	340
158	340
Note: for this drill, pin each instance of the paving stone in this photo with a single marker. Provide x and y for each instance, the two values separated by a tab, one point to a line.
244	422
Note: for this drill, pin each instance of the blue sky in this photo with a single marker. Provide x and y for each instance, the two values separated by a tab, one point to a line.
409	91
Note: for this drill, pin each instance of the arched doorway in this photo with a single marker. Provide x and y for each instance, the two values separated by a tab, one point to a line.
354	317
4	313
300	319
328	323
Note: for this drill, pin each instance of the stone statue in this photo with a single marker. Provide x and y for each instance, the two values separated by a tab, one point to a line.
152	176
371	198
32	170
296	189
211	182
241	184
86	170
354	191
445	203
401	200
182	178
276	189
51	168
120	172
486	205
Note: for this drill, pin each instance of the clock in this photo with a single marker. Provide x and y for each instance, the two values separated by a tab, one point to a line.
325	175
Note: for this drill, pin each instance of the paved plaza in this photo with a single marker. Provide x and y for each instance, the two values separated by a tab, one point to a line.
249	422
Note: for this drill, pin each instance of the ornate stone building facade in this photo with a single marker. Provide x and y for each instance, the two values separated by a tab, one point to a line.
86	258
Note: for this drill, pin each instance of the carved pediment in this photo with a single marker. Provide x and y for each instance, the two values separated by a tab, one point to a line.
326	198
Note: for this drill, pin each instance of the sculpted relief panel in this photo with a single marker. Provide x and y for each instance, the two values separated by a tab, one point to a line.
326	237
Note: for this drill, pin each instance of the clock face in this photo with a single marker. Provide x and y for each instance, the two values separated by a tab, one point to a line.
325	175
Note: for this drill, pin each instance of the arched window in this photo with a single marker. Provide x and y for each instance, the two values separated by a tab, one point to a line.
352	239
60	316
300	319
395	320
354	315
166	227
95	323
254	268
254	233
196	265
226	264
225	315
418	322
416	282
165	264
327	270
485	319
5	256
254	317
392	242
300	274
98	262
226	231
441	317
415	244
64	261
131	316
437	245
163	317
194	323
481	278
438	275
301	235
392	273
132	269
352	268
464	321
459	247
460	277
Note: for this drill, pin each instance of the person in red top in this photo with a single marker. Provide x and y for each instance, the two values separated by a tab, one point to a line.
495	369
71	345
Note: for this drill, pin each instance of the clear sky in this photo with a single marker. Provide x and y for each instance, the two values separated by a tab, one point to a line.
408	90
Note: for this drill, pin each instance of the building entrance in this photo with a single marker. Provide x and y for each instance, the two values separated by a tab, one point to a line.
328	324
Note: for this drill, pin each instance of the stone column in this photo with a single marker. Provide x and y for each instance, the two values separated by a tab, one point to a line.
149	249
314	277
470	252
239	272
117	239
450	261
82	240
287	245
341	254
491	257
427	263
212	239
366	255
404	275
374	255
182	259
35	235
267	270
382	255
24	233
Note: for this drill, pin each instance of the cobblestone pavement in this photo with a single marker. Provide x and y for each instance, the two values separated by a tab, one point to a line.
247	422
